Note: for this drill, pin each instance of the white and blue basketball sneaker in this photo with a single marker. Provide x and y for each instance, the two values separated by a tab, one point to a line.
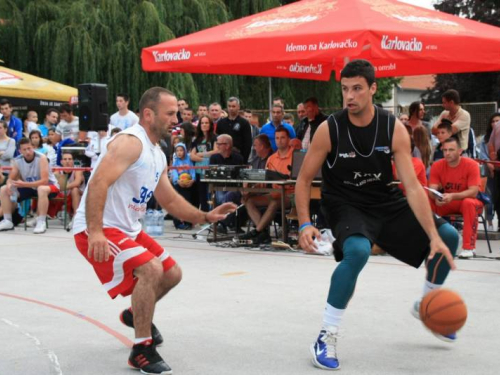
324	350
415	311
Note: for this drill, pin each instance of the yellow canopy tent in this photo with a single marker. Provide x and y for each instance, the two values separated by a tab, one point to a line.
25	90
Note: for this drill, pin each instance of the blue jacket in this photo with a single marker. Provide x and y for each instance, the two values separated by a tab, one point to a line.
269	129
182	162
15	128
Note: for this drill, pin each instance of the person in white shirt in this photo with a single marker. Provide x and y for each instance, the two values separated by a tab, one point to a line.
124	118
31	122
69	126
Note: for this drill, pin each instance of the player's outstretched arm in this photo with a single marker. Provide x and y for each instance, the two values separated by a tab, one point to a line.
316	155
417	198
177	206
121	153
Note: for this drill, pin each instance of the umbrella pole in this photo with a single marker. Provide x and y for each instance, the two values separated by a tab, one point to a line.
270	98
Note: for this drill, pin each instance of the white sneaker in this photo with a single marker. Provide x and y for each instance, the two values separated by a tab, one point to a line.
40	228
6	225
415	311
490	228
31	223
467	254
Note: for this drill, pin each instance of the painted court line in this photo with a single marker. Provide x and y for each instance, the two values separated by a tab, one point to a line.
96	323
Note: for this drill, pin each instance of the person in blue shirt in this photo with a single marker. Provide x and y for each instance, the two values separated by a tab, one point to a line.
277	120
183	180
15	125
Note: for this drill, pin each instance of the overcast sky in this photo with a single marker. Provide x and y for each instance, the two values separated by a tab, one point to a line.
421	3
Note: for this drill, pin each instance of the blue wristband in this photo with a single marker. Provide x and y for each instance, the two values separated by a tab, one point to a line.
304	226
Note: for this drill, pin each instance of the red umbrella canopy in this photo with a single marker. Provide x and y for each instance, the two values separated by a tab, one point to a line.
311	38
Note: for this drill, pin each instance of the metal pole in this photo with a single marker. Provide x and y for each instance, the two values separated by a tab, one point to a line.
270	98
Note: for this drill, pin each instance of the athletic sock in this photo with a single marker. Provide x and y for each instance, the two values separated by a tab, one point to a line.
41	218
141	340
7	217
332	316
428	287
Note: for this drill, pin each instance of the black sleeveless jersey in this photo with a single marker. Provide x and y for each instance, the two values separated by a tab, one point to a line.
358	170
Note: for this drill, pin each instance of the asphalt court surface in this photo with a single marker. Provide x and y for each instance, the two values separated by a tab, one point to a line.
236	311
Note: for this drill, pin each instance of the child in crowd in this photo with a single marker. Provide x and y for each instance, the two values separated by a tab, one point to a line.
183	179
31	122
444	131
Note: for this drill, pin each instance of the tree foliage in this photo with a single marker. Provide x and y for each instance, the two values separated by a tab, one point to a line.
85	41
473	87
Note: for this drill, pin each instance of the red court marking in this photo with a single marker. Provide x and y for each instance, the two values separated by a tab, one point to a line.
98	324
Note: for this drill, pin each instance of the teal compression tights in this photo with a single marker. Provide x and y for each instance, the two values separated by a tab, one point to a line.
357	249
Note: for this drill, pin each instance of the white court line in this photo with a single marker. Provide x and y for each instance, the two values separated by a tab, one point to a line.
55	369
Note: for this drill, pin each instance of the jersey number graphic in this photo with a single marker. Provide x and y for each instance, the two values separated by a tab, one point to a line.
144	197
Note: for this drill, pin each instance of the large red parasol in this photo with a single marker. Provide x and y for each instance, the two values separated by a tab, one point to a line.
311	38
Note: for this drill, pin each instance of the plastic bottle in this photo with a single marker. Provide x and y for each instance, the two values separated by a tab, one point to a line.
159	223
148	222
13	197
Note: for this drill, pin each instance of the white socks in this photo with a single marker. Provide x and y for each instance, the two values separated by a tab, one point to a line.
428	287
332	316
140	340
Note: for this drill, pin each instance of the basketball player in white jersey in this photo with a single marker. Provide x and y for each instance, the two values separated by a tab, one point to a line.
107	229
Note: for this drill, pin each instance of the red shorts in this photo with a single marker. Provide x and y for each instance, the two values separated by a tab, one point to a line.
117	274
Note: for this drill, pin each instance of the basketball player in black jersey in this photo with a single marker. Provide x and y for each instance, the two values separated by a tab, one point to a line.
363	207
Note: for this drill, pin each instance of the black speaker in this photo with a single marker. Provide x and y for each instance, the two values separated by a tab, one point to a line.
93	106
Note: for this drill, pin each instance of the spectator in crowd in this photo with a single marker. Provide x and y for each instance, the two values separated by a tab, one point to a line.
187	132
280	161
460	180
310	123
288	118
494	154
277	120
15	125
187	115
202	148
418	166
459	117
68	127
97	144
247	115
404	118
444	131
201	111
183	180
58	143
7	147
51	120
226	156
423	143
72	185
237	127
263	150
31	122
215	113
181	104
301	114
279	101
124	118
489	169
36	140
30	177
416	116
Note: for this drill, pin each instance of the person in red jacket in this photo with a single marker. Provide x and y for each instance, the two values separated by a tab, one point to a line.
459	178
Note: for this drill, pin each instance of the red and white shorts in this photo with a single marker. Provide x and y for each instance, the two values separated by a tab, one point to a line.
117	274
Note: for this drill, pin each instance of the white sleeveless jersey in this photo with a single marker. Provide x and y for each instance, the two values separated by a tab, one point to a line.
30	171
127	198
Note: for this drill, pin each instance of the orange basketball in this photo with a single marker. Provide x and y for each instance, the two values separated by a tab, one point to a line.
185	177
443	311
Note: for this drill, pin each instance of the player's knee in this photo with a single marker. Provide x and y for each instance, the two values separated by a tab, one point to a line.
3	190
44	190
450	236
357	248
174	275
151	271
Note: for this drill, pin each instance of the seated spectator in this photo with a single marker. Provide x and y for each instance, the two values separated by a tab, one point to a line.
263	150
202	148
418	166
31	122
226	156
30	177
69	126
51	119
14	125
183	180
7	147
36	140
277	120
280	161
459	179
444	131
96	143
72	185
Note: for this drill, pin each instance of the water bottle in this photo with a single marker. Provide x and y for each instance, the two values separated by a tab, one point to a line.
158	231
148	222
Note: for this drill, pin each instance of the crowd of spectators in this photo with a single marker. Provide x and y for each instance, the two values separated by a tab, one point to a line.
213	135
